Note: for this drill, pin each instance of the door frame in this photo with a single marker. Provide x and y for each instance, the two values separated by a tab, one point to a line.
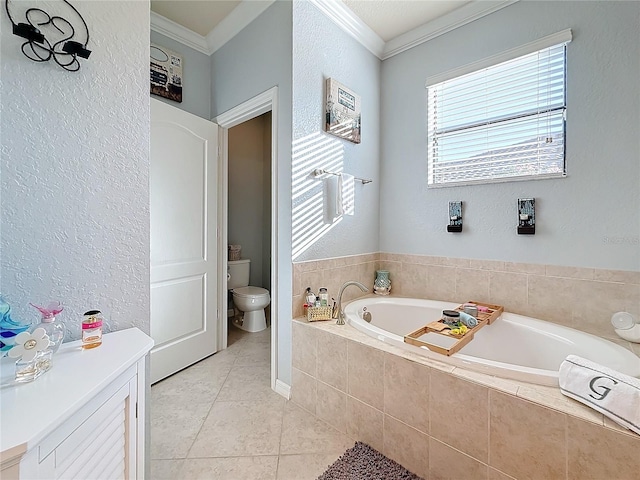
254	107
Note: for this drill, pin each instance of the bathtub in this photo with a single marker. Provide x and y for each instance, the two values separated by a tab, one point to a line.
514	346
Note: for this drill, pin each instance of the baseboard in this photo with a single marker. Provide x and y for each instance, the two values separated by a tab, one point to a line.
283	389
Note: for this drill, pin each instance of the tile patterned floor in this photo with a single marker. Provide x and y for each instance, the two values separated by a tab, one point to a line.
220	420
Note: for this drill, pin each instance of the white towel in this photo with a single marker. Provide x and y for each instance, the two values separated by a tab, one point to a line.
612	393
332	199
348	194
339	196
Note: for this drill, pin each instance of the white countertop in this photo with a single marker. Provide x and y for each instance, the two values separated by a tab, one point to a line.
30	411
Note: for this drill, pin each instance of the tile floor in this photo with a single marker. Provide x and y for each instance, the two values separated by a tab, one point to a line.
220	420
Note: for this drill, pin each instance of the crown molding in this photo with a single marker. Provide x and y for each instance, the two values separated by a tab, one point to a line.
241	16
439	26
342	16
351	24
248	10
177	32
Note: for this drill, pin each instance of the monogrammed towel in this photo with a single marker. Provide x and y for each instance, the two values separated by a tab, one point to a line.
613	394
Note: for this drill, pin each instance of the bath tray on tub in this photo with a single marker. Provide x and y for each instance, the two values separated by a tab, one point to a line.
437	338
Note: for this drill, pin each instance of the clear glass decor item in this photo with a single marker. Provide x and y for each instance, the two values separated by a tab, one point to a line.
382	283
9	328
32	353
44	361
51	326
26	371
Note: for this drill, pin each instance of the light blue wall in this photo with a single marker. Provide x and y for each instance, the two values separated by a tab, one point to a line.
255	60
196	73
322	50
590	218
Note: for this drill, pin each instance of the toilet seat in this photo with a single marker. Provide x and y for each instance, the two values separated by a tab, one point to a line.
250	292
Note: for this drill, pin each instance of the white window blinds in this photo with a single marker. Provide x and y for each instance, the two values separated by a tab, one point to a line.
505	121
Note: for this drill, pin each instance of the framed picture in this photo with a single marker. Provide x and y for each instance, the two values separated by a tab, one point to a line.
342	111
166	73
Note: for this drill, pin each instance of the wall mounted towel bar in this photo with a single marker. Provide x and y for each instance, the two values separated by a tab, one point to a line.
319	171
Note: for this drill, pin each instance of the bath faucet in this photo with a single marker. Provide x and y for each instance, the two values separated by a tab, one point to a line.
339	313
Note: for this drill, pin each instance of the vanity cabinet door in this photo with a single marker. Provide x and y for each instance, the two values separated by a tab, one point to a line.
100	446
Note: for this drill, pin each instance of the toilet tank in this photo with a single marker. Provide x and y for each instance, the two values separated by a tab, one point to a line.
238	271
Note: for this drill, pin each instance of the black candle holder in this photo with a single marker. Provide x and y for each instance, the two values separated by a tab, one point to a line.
64	52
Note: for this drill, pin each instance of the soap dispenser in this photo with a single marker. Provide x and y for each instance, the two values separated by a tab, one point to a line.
626	326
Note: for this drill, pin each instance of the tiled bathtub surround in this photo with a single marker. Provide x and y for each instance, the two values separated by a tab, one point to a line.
448	423
581	298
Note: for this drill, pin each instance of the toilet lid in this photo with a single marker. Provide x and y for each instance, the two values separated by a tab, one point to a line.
250	291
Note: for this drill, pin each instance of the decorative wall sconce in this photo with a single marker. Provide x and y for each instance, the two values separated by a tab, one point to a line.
60	46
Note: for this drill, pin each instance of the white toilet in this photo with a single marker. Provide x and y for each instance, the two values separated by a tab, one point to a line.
250	300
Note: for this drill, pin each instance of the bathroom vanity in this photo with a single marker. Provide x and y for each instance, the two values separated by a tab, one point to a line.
83	419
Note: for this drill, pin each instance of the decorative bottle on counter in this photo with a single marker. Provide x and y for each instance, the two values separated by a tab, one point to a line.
382	283
51	326
54	330
92	329
310	297
324	297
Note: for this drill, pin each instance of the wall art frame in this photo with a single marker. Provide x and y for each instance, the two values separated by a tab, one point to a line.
166	73
342	111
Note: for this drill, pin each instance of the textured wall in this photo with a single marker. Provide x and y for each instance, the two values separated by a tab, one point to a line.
196	73
322	50
588	219
75	173
255	60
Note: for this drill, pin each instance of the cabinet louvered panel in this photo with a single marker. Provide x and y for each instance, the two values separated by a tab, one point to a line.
98	448
102	450
78	444
116	471
113	453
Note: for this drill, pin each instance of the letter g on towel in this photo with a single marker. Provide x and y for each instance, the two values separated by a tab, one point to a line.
604	391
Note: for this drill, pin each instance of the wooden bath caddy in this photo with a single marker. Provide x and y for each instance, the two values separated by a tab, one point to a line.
437	338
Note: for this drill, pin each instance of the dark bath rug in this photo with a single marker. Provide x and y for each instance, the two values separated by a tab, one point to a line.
361	462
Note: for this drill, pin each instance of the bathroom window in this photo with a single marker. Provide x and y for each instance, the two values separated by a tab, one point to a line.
500	119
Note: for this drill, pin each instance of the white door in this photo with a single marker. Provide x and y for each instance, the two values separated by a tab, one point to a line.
184	171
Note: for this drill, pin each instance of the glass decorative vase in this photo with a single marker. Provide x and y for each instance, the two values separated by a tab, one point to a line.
9	328
48	322
382	283
54	330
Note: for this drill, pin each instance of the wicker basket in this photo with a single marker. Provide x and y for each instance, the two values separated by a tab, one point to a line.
315	314
234	252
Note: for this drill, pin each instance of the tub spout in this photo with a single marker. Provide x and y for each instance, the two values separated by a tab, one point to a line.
339	312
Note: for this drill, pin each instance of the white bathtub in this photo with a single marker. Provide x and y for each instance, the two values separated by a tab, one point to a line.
514	346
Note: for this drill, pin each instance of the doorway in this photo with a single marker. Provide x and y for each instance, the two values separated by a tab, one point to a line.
249	206
259	105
